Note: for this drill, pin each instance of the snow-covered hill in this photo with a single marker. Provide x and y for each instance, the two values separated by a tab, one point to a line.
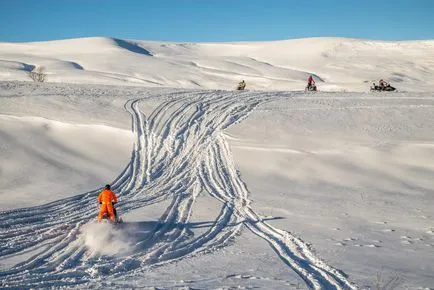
338	64
219	189
270	188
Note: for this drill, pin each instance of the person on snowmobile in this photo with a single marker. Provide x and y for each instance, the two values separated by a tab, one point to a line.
107	199
310	81
311	84
382	83
241	85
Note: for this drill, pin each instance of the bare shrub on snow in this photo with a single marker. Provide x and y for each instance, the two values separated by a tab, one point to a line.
38	74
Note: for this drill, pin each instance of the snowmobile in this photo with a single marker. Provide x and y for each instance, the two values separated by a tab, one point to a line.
310	88
386	88
106	218
241	86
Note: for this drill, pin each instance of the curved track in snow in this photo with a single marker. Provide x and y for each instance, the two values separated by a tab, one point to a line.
179	153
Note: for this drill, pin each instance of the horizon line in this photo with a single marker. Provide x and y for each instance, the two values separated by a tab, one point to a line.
223	41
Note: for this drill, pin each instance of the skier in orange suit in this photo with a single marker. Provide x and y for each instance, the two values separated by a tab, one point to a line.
107	199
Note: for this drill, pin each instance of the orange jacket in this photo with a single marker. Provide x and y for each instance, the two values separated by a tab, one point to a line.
107	196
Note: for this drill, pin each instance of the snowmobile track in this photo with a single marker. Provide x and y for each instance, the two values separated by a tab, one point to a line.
179	153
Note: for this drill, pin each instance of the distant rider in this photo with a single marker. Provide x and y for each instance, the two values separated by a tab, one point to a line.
383	83
107	199
241	85
310	81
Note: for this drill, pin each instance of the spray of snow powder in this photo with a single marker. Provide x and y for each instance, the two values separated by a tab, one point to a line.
104	239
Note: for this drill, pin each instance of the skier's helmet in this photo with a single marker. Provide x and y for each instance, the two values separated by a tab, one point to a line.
107	186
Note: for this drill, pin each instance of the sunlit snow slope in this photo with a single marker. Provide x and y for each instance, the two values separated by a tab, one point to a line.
337	64
218	189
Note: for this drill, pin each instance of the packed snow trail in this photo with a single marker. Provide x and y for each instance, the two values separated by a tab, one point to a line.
179	152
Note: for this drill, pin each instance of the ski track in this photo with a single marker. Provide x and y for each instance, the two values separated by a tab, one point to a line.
179	153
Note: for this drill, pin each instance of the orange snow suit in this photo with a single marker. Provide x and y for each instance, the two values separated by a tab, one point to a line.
106	197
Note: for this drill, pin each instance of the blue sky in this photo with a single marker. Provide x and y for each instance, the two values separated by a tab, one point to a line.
215	20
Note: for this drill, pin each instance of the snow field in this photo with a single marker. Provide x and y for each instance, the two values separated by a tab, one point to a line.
332	188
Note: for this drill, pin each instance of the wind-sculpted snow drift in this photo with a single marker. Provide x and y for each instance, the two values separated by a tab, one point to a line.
179	153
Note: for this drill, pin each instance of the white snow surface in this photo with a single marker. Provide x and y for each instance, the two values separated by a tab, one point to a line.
218	189
337	64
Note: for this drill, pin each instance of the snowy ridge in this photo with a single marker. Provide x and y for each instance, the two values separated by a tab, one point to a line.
179	153
337	64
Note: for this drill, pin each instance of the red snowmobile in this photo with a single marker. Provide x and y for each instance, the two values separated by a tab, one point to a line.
382	87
